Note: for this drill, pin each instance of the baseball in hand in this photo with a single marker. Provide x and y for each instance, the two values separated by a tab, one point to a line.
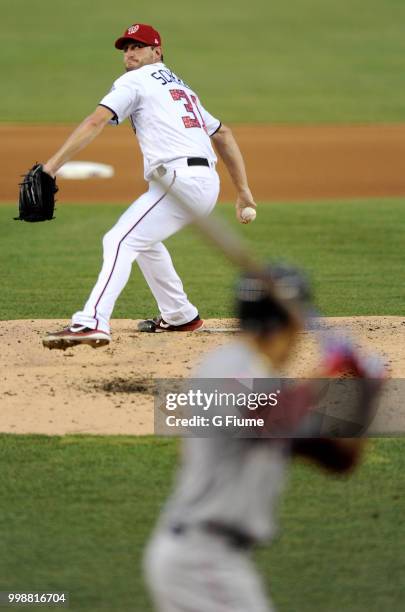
248	214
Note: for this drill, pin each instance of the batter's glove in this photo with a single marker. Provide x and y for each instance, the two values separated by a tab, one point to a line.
37	196
341	357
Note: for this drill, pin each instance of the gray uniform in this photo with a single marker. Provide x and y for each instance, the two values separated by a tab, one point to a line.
223	503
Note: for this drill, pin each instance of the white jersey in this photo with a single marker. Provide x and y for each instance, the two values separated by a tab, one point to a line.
235	482
165	113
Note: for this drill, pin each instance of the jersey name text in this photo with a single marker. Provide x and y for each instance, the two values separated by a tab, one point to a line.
166	76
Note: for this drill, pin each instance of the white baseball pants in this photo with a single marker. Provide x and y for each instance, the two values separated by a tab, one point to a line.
196	571
138	235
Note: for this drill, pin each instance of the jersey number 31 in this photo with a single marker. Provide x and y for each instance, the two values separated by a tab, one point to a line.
191	120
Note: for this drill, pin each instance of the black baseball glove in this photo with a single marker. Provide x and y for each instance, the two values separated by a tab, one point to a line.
37	196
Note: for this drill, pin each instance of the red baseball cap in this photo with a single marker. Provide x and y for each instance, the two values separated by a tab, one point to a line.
141	32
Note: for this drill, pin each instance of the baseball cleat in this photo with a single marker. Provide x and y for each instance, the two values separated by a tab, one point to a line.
158	324
74	335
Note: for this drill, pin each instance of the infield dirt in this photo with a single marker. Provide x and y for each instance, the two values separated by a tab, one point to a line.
110	390
284	162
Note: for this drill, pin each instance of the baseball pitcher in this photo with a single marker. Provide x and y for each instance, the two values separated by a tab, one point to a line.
176	136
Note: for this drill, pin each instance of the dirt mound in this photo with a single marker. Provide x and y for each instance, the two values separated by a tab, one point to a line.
110	390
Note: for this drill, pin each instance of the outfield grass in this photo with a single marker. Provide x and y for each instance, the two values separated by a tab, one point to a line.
352	249
302	60
76	513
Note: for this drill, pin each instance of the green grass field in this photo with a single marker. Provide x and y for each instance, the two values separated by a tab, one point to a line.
76	513
300	61
353	250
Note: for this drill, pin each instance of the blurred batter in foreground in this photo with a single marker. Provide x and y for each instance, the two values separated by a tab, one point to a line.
224	503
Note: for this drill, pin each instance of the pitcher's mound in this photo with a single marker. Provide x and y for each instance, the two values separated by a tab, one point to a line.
110	391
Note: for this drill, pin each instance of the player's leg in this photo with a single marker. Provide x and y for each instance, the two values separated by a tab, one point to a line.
167	288
151	219
195	571
156	264
115	271
119	252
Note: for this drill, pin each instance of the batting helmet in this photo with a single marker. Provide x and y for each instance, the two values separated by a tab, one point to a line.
265	303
